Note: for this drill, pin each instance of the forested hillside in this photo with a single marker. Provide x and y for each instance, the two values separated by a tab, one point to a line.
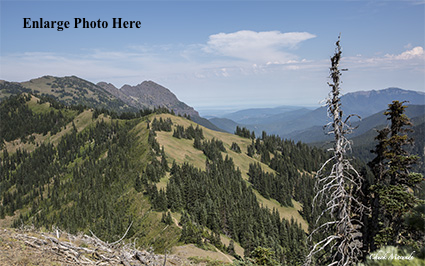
172	184
74	91
83	177
81	169
67	90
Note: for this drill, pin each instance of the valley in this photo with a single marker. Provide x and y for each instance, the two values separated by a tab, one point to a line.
88	158
64	198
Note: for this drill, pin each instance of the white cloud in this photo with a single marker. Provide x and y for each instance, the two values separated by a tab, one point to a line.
417	52
225	67
412	59
166	62
258	47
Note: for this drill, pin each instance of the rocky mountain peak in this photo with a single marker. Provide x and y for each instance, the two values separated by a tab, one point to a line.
149	94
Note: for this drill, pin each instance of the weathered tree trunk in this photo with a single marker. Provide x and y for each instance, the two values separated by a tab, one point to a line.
338	188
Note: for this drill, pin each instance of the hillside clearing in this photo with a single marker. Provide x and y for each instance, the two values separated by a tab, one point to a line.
182	150
191	251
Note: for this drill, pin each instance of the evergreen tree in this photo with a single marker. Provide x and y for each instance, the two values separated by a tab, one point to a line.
166	218
197	143
231	248
164	163
392	194
264	256
235	147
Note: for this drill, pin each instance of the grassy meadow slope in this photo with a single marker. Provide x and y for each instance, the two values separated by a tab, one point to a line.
147	229
182	150
88	179
68	90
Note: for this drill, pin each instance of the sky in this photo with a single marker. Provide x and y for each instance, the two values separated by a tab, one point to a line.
221	55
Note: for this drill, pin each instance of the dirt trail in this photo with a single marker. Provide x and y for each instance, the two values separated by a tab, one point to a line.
228	258
176	222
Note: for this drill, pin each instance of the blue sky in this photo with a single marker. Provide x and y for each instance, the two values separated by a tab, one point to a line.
222	54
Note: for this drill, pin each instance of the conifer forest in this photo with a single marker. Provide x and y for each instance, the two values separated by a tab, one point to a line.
167	181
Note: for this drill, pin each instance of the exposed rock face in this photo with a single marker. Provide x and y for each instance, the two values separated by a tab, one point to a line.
149	94
117	93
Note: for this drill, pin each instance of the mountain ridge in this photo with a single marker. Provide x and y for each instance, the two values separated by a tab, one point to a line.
363	103
101	173
72	90
316	134
98	172
149	94
69	90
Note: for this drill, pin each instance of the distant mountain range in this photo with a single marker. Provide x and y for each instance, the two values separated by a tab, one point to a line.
306	125
377	120
259	115
85	170
292	122
366	103
74	90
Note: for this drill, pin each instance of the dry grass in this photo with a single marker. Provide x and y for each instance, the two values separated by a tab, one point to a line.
82	121
284	212
182	150
162	184
14	145
38	108
8	220
238	249
30	247
40	84
224	239
14	251
188	251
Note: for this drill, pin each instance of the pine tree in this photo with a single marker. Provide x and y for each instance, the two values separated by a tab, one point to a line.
166	218
231	248
164	163
264	256
235	147
392	191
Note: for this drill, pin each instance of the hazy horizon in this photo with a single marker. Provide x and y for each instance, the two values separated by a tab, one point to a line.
214	109
222	53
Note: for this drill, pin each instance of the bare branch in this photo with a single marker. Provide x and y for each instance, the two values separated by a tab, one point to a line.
116	242
337	188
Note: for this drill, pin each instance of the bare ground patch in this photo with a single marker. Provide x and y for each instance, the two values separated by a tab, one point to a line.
59	248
